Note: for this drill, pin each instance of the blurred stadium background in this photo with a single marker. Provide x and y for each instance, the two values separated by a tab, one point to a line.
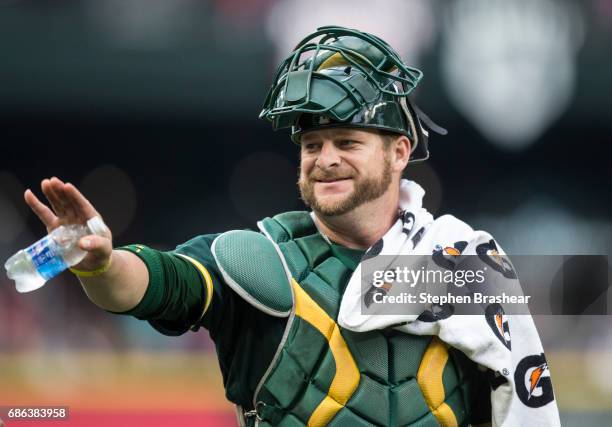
150	107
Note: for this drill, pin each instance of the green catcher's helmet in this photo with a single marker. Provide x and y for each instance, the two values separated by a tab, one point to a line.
338	77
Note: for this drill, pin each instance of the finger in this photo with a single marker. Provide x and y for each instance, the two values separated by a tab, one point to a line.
47	190
57	190
43	213
71	212
81	205
99	247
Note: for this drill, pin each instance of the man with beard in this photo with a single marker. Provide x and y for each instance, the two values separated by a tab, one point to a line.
271	299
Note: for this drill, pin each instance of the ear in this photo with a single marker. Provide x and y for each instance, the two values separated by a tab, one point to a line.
401	148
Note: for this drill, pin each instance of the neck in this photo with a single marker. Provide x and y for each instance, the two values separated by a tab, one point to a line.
364	225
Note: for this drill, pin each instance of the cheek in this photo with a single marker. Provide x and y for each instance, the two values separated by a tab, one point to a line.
367	165
305	168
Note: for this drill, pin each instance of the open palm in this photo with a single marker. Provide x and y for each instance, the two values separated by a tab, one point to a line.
69	206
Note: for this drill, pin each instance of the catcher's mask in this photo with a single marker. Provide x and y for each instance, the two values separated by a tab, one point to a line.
338	77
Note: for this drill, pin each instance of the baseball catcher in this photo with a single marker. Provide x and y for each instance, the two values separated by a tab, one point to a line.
282	304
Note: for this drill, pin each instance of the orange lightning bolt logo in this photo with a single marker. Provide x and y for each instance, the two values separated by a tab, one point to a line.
452	251
534	378
499	321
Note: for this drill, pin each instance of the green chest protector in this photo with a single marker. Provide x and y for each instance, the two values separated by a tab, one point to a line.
322	374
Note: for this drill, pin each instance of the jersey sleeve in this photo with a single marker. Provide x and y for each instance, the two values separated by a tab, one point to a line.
185	288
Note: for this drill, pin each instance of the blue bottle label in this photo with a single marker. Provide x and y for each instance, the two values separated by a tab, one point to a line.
46	258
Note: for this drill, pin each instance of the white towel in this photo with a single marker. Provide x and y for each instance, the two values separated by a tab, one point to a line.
507	345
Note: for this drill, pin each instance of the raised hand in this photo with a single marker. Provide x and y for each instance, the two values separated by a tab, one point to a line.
69	206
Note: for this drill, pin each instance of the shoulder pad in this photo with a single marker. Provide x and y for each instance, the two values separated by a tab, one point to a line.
253	267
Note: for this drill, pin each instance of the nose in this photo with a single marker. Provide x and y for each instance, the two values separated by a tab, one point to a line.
328	156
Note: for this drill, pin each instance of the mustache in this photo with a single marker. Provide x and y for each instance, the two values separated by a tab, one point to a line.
321	175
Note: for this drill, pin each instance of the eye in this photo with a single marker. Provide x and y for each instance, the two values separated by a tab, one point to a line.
347	142
310	146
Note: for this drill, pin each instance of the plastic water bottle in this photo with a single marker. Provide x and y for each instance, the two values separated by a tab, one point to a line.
32	267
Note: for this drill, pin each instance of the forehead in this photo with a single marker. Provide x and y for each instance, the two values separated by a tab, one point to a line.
338	133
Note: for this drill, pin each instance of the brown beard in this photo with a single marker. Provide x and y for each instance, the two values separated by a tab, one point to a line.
366	189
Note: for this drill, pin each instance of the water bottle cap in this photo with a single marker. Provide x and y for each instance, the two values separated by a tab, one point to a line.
97	226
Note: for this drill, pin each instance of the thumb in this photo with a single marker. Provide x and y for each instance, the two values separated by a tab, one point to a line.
97	245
